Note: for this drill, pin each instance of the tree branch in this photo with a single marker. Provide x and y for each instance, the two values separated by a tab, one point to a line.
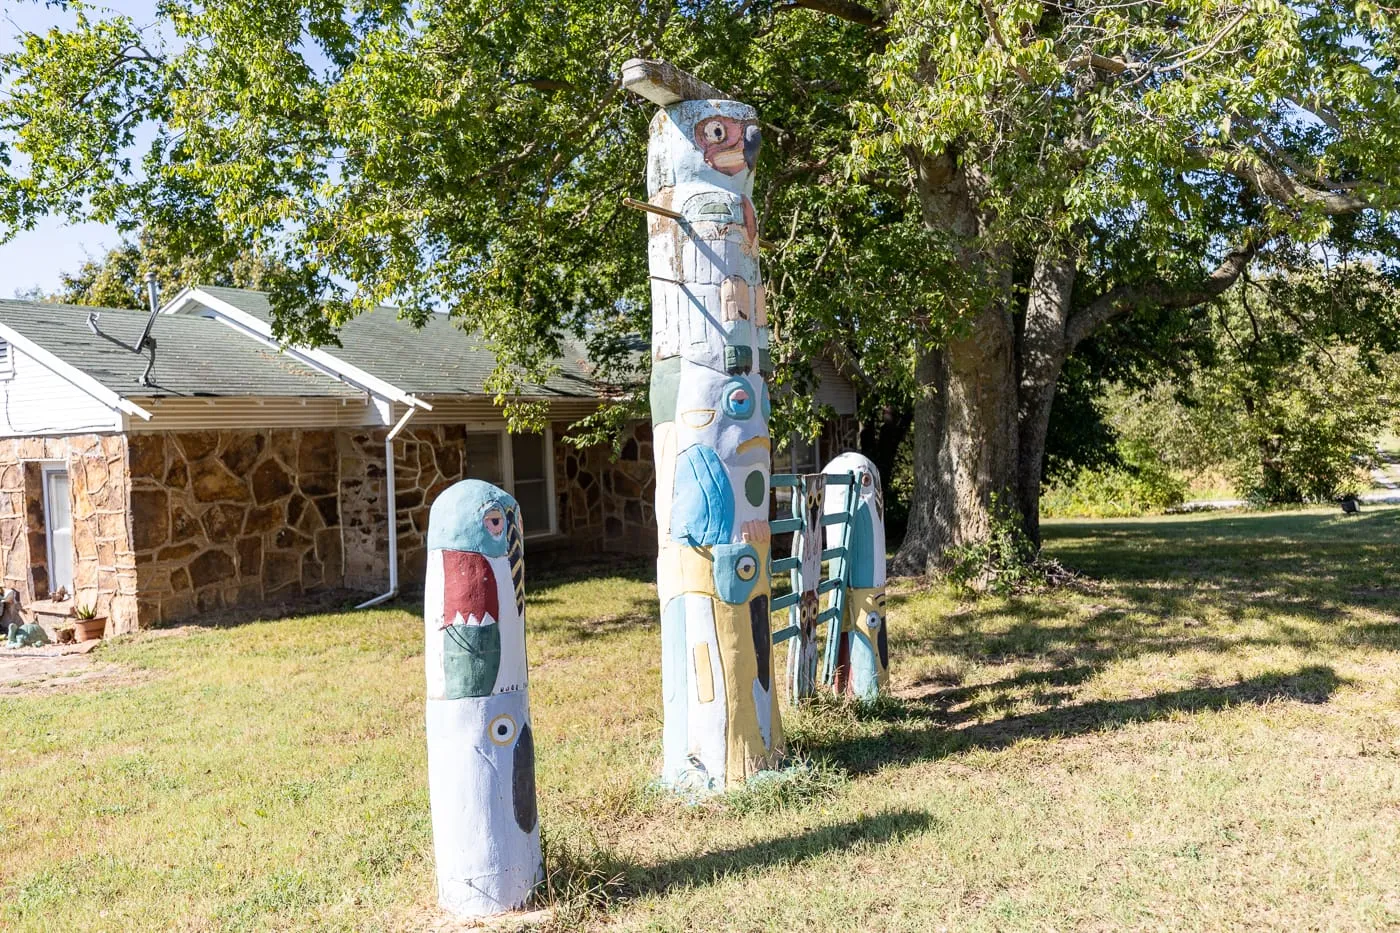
842	9
1272	182
1122	299
995	26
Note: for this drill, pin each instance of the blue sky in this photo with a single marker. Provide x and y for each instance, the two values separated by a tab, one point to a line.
36	257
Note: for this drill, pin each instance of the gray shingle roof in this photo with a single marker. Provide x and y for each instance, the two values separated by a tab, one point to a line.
195	356
439	359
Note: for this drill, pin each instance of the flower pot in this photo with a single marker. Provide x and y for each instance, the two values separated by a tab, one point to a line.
89	629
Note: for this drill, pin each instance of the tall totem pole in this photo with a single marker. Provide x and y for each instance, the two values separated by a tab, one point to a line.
709	405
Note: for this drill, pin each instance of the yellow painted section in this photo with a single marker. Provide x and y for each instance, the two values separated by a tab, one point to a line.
738	663
682	569
704	674
859	605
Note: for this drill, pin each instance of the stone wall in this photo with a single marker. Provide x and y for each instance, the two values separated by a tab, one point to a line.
578	489
427	459
233	518
104	565
629	485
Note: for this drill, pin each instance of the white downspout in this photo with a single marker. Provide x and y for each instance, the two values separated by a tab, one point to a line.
390	481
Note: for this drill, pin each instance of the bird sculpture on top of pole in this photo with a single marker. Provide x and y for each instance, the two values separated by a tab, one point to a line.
710	406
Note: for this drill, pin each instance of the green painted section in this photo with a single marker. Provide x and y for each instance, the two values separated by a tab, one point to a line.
665	388
755	488
471	659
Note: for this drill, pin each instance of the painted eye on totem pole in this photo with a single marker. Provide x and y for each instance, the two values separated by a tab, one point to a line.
494	521
712	131
872	620
502	729
738	401
865	479
746	568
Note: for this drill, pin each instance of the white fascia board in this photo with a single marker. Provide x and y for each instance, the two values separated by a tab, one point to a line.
72	374
316	357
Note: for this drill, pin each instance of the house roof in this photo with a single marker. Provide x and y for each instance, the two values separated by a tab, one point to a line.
439	359
195	357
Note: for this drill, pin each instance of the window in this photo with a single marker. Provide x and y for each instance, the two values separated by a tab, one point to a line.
806	455
522	465
58	517
7	360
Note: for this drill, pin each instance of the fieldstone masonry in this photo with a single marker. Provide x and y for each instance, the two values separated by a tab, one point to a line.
104	564
233	518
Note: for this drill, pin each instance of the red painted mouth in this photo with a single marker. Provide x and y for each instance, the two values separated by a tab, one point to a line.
468	590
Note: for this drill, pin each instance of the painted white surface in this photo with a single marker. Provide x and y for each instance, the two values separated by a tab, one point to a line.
868	489
36	399
708	723
485	863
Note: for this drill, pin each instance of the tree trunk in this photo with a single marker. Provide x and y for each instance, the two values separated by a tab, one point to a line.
965	441
965	417
1042	350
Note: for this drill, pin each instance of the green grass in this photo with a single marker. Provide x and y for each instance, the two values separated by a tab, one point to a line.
1207	737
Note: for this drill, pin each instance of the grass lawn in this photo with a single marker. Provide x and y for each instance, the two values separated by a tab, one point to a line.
1207	737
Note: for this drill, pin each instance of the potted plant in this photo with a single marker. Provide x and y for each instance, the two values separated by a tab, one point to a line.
87	624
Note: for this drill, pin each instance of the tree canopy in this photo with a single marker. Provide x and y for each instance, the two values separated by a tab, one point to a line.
960	193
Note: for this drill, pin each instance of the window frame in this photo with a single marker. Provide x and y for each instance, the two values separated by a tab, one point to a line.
7	359
47	469
505	450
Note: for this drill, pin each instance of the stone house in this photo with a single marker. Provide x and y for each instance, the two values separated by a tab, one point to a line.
214	469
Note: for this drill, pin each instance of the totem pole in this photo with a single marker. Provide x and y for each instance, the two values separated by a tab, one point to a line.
709	408
863	653
481	751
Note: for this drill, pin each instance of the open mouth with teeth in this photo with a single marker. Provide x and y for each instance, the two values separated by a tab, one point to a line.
469	590
471	636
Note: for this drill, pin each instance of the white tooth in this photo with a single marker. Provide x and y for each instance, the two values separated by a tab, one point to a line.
458	620
472	619
489	620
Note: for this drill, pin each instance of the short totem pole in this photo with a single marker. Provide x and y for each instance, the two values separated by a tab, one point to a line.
863	654
481	751
709	405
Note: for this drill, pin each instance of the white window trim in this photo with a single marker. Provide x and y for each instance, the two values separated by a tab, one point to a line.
506	451
7	359
48	468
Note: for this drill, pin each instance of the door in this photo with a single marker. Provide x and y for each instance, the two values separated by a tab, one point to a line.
58	516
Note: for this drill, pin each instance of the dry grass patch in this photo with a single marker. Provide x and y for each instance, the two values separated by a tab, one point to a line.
1208	737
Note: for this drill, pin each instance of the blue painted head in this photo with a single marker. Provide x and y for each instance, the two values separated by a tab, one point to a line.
702	512
472	516
737	569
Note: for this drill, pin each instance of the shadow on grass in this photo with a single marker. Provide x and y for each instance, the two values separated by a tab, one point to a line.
710	867
599	879
930	729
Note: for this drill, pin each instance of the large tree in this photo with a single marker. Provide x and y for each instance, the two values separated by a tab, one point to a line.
960	192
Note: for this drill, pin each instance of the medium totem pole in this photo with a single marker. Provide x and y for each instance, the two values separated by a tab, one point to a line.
481	750
863	654
709	404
